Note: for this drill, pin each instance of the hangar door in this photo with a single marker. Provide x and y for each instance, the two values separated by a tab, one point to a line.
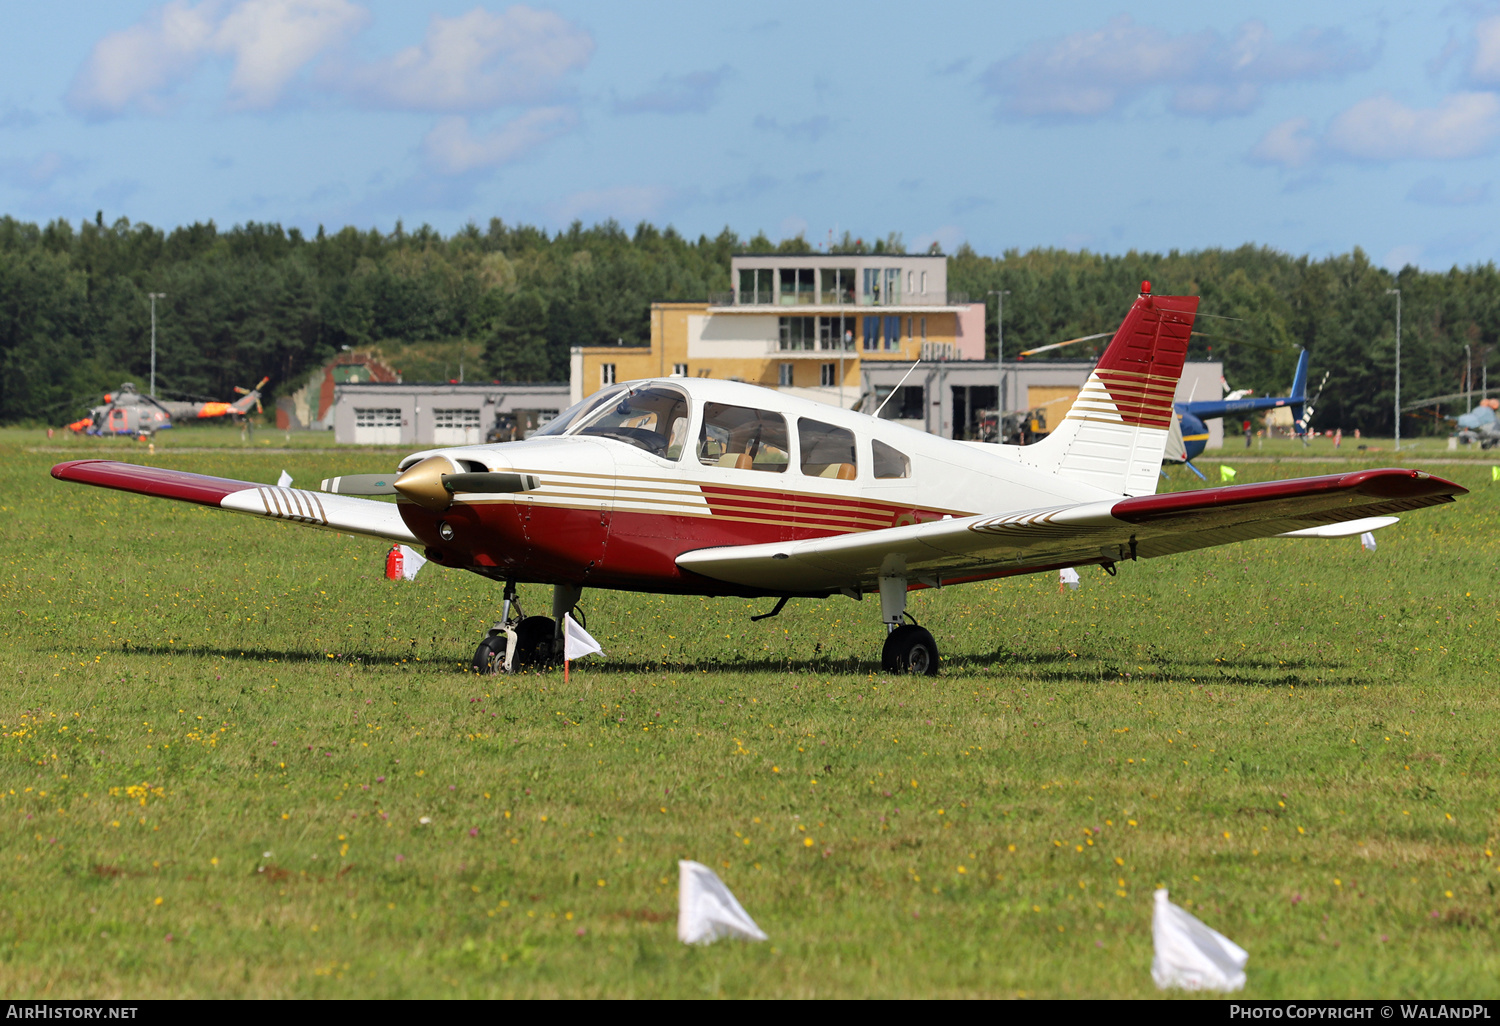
455	427
377	427
1054	400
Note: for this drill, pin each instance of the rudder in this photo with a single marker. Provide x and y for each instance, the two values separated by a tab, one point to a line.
1115	434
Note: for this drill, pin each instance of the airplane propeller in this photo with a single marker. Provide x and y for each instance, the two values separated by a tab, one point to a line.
428	484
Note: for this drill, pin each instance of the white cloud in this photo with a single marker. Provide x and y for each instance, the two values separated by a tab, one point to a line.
1382	128
1289	144
269	41
1090	74
135	65
476	61
1484	66
272	40
1402	256
41	171
452	148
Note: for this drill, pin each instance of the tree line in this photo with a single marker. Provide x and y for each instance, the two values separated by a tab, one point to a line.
258	300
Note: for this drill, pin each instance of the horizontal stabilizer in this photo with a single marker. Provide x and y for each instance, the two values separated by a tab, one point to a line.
331	512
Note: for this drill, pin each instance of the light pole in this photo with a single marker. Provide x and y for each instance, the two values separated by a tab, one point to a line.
154	297
1468	379
999	295
1397	294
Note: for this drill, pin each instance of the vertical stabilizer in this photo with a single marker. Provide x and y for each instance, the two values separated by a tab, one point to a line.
1299	387
1115	434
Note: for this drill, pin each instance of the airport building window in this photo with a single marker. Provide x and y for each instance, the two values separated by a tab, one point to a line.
756	286
890	463
740	438
828	375
924	329
872	285
892	334
827	451
797	286
924	283
784	376
832	331
606	374
892	286
680	369
798	334
837	285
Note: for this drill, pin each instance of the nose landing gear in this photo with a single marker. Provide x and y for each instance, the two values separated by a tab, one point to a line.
520	642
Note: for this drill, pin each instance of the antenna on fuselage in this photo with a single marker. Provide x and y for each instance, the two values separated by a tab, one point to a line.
896	389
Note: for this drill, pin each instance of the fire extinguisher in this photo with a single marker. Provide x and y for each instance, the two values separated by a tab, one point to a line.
393	563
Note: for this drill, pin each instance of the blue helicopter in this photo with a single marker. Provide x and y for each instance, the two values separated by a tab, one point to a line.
1191	415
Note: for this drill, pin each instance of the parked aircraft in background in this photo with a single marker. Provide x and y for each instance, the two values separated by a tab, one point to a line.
127	412
708	487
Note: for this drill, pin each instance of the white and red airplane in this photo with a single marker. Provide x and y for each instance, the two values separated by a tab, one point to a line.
703	487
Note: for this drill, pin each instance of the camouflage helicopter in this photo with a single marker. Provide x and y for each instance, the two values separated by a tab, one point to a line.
127	412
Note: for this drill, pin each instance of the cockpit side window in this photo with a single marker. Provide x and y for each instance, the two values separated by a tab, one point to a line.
889	463
827	451
559	424
742	438
650	418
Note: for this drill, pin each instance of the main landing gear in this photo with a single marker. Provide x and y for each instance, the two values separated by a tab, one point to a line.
908	648
520	642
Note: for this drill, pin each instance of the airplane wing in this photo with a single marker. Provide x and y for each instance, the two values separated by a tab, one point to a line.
1108	531
316	509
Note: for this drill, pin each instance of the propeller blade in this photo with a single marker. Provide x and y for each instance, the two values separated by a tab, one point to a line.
360	484
493	482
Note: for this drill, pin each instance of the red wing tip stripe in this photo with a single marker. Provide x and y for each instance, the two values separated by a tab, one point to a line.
166	484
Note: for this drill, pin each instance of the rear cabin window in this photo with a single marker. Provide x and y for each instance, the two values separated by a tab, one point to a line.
889	463
653	418
827	451
742	438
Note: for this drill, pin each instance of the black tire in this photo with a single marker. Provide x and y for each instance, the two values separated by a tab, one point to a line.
910	649
489	657
534	643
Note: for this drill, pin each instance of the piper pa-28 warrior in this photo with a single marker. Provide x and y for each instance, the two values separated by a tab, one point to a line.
701	487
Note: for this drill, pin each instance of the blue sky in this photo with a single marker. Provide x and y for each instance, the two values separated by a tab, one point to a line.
1312	128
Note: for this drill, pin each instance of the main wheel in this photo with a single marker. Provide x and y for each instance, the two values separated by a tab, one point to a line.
534	643
489	657
910	649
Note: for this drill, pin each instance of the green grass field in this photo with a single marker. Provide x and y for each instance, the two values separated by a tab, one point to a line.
238	762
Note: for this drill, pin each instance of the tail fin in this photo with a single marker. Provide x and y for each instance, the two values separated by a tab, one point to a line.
1299	387
1115	434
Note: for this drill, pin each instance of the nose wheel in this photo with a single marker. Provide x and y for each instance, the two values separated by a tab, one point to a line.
520	642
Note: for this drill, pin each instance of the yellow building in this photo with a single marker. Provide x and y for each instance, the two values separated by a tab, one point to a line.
800	323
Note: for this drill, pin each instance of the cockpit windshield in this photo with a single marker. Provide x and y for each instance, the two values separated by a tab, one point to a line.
559	424
654	418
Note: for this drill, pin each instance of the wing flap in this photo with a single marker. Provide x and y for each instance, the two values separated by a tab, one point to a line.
315	509
1096	532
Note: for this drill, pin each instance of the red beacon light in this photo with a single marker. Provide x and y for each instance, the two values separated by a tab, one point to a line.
1145	288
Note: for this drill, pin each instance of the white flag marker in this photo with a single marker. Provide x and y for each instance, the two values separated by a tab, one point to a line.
411	562
1190	955
284	481
577	642
1368	541
1067	576
706	911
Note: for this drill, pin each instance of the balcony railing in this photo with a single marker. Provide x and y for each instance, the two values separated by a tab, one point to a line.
828	299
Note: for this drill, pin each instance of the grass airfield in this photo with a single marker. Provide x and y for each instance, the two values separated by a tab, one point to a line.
237	762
